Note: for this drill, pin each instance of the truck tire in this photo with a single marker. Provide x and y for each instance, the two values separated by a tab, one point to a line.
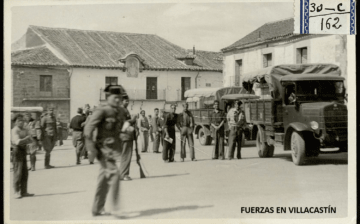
203	138
297	144
261	146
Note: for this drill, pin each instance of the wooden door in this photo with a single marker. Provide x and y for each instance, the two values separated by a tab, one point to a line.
151	88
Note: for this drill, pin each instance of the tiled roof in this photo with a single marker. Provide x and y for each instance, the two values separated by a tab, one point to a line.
103	49
36	56
267	32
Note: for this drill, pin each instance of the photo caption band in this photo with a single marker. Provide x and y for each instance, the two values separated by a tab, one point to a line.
325	17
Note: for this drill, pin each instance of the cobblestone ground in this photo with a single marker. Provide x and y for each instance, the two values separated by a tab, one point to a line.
202	189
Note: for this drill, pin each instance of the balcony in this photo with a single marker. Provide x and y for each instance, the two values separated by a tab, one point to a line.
140	94
36	94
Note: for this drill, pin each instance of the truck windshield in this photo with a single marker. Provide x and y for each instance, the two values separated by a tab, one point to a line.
320	91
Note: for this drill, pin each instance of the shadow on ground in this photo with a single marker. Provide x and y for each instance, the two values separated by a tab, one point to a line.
325	158
72	192
156	211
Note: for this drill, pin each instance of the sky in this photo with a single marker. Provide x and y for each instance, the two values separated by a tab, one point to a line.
207	26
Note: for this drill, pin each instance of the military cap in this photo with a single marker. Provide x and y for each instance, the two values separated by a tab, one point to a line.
114	90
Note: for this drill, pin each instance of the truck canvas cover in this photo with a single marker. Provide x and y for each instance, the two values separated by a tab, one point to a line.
272	75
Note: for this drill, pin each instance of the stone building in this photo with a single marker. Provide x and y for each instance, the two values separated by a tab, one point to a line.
154	72
275	43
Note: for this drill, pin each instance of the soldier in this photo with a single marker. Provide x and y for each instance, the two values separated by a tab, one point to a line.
77	124
33	125
157	131
217	121
144	131
186	123
108	120
169	128
236	121
48	128
160	125
59	132
127	137
20	137
87	113
151	134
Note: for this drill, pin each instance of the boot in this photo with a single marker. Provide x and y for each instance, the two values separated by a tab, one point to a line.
78	159
47	162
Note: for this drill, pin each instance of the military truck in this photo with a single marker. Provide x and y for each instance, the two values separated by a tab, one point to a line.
301	107
201	106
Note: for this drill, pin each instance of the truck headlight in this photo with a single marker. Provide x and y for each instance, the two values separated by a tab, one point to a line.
314	125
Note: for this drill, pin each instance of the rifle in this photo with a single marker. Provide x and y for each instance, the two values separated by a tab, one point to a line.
138	159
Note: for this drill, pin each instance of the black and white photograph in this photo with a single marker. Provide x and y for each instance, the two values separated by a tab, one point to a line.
176	111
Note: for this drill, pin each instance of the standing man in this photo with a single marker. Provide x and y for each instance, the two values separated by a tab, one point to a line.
77	124
217	121
157	131
127	137
108	120
48	127
151	129
186	123
160	124
59	131
169	128
144	131
20	137
33	126
236	121
87	113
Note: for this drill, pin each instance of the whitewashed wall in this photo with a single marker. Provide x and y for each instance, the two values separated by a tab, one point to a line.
324	49
85	85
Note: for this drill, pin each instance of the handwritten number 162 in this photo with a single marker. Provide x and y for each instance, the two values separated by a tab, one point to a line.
328	24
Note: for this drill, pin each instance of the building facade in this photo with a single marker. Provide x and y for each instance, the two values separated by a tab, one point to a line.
154	72
274	44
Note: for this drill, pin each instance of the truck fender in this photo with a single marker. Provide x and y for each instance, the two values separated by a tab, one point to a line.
297	126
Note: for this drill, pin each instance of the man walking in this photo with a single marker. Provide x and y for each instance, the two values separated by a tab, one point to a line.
48	128
127	137
144	131
236	121
20	137
157	131
169	128
77	124
217	121
108	120
186	123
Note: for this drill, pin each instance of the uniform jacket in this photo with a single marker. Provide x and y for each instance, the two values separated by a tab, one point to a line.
48	125
144	124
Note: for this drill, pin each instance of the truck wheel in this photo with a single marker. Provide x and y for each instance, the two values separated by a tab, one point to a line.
297	145
261	146
203	138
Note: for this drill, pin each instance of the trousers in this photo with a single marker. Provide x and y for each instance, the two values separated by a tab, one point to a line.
219	144
144	138
33	147
127	150
169	148
235	138
156	142
20	170
108	180
186	134
78	143
48	144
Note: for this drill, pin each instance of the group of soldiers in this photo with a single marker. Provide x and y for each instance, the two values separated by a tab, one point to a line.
111	133
28	135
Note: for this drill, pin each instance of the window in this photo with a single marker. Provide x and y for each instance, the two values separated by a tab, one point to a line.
208	84
301	55
111	81
238	72
45	83
267	60
151	88
185	85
